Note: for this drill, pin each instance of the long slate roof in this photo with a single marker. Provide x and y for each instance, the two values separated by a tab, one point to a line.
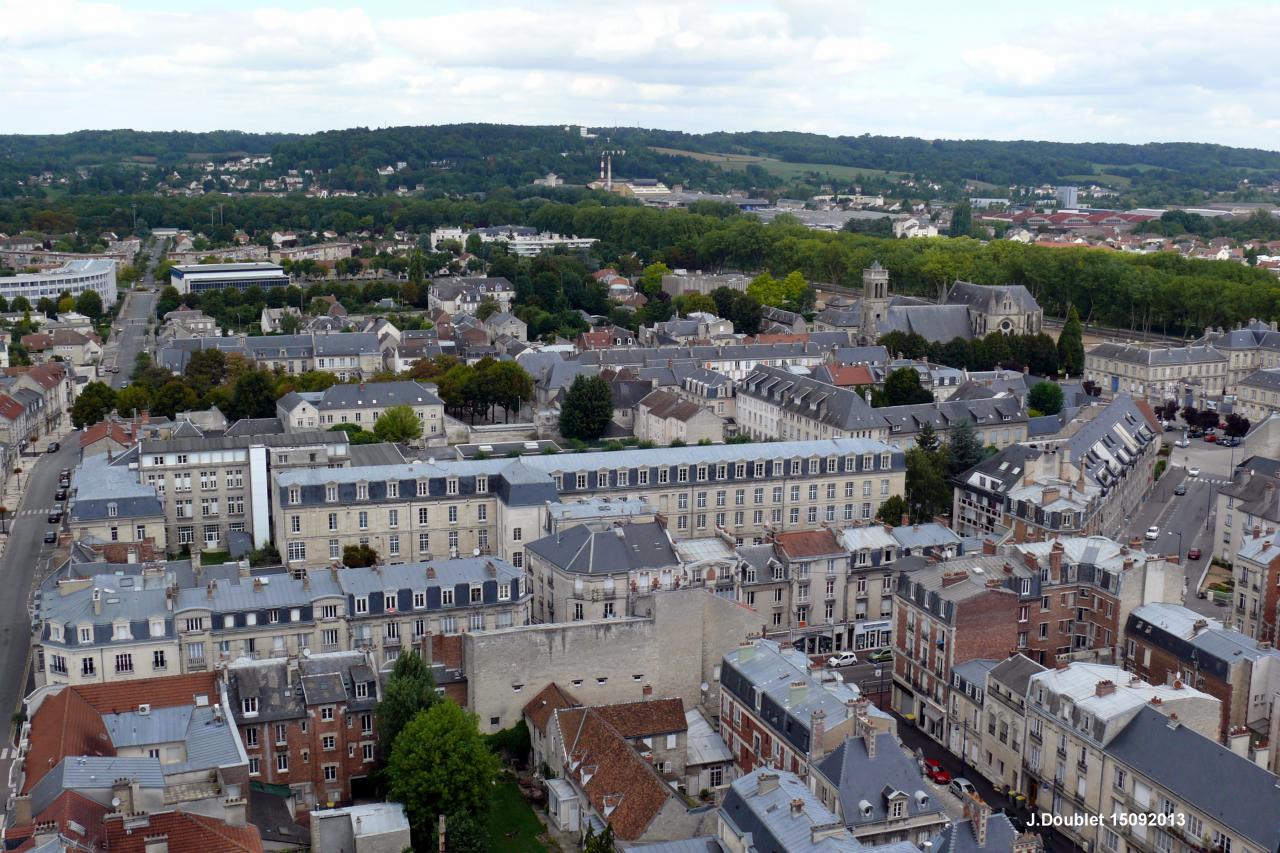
860	780
832	405
629	547
1204	774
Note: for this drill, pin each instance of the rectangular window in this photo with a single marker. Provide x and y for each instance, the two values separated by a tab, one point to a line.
282	762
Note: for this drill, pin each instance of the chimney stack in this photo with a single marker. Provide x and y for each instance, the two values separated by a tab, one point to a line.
647	692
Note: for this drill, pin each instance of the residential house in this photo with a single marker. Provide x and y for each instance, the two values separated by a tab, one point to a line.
272	318
664	417
605	337
502	323
1001	732
110	505
360	404
464	295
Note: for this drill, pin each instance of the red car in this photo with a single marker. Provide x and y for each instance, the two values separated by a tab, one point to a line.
1193	554
936	773
1211	437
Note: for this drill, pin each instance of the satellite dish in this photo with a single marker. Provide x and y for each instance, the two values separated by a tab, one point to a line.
115	802
475	552
704	687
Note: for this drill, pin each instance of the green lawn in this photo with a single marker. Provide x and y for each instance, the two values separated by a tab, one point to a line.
780	168
513	827
214	558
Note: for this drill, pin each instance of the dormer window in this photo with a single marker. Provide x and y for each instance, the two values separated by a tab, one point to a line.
451	486
362	491
249	706
331	493
389	600
112	510
482	484
393	488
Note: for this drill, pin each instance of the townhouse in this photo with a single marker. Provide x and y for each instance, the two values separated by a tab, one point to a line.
1155	374
307	722
1166	642
110	505
964	710
1251	346
1073	714
1085	480
1251	500
55	387
1258	395
736	361
1001	733
361	404
775	712
495	505
179	618
776	404
877	789
464	295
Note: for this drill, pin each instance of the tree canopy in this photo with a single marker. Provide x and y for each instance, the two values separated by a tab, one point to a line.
1045	398
398	424
587	409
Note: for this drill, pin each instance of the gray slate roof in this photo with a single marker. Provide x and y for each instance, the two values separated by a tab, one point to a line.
629	547
841	408
1204	774
861	781
941	323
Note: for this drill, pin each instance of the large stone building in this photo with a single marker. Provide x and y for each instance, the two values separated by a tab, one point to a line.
410	511
1189	374
360	404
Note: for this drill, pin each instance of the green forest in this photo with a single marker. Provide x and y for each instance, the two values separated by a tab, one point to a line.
465	158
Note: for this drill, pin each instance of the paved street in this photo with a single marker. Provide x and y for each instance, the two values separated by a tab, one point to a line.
23	554
130	334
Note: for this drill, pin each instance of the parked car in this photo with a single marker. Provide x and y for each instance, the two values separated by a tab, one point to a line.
881	656
1182	442
50	537
1193	554
1211	438
842	659
55	517
53	447
1153	532
1193	471
1229	441
936	772
962	787
1168	426
60	495
1197	432
1180	489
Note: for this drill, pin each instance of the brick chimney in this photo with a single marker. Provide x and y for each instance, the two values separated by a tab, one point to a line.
766	782
988	546
1104	688
647	692
977	812
953	578
1055	560
817	734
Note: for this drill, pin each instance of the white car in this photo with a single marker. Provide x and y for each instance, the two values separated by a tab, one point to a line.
1153	532
842	659
1182	442
1193	472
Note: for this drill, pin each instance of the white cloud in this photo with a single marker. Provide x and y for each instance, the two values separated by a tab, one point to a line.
1154	70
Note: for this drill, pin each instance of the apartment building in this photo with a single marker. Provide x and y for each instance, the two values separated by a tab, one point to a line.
1073	714
1252	346
584	573
1258	395
1001	733
464	295
664	417
959	611
736	361
775	404
1156	374
495	505
1166	642
964	710
776	712
1255	607
1083	481
110	505
214	487
361	404
1251	499
347	355
173	618
307	722
1215	799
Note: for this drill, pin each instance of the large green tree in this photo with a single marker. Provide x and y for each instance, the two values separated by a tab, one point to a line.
586	409
440	764
901	387
93	404
892	510
398	424
410	688
207	368
172	397
89	303
252	397
1045	398
1071	344
927	491
964	449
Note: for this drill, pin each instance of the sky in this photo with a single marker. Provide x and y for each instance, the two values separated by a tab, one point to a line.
1079	71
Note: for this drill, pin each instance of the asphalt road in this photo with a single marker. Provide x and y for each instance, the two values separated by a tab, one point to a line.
24	553
133	338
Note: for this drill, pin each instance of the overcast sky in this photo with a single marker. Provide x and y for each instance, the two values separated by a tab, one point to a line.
1076	71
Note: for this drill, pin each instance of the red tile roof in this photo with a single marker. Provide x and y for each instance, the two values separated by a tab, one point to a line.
808	543
65	724
645	718
623	788
169	692
850	375
10	409
37	341
549	699
67	808
116	431
1150	414
185	832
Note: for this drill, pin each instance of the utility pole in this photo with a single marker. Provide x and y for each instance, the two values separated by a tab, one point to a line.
441	834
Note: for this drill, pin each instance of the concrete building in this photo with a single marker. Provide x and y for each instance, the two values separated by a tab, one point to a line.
681	282
366	828
74	277
1255	607
198	278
